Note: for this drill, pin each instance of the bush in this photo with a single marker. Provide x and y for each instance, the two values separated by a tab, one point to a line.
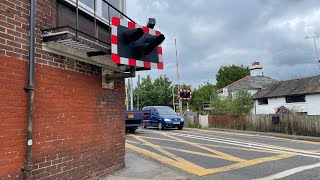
240	103
189	125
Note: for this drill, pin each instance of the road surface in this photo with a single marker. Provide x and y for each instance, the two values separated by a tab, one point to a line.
212	154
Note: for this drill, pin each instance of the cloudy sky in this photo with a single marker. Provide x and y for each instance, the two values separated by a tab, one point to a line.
215	33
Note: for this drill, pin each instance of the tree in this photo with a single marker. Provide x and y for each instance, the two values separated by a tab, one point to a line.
229	74
157	92
163	89
202	95
146	92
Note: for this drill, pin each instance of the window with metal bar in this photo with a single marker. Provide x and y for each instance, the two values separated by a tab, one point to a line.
102	8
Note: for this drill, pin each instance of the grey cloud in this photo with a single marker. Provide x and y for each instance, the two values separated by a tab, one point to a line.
216	33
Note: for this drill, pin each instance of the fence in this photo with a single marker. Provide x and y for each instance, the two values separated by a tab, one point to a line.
190	117
289	123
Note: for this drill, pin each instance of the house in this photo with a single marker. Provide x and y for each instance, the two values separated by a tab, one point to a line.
252	83
300	95
60	117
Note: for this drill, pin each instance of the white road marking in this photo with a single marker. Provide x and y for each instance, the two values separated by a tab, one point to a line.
290	172
250	145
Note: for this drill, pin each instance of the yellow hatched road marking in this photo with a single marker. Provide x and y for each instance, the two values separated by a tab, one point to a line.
177	162
187	151
248	163
226	156
211	145
200	171
194	169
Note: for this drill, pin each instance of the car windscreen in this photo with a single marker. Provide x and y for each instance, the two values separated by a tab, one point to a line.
166	111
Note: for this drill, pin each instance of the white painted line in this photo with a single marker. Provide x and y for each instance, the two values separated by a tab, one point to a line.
251	145
290	172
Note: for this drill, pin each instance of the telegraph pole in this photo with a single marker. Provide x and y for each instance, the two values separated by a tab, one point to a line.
315	47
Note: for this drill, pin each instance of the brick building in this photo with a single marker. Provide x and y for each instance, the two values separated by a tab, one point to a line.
78	125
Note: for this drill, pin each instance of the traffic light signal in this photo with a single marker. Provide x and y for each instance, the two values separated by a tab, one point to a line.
136	45
184	94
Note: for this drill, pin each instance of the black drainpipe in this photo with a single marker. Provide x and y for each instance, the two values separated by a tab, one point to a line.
30	88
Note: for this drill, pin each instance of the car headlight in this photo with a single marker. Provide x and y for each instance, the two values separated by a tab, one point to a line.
167	120
182	119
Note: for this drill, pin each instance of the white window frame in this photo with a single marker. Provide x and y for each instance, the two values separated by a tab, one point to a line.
90	11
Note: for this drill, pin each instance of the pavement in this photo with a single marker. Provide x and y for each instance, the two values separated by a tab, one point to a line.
139	167
215	154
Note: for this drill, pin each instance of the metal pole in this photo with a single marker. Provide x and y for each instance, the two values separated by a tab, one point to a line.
187	105
138	93
95	18
174	106
131	94
77	17
30	88
315	46
127	98
178	78
109	24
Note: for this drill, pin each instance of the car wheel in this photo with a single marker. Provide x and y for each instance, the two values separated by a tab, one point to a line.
132	130
180	128
160	126
144	127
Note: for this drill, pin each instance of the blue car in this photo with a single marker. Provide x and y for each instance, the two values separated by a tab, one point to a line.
163	117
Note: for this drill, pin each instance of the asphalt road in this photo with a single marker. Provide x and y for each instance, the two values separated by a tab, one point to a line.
212	154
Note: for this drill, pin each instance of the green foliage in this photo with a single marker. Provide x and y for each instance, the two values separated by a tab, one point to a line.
189	125
202	95
240	103
163	89
229	74
157	92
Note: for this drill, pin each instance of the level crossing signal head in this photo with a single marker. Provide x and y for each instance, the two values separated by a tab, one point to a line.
135	45
184	94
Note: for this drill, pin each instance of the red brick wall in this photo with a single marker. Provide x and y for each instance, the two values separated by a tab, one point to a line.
78	126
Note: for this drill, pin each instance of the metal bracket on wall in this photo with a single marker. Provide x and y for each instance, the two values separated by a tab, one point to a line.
108	76
131	73
107	84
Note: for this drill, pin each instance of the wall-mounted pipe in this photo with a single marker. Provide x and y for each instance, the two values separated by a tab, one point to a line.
30	88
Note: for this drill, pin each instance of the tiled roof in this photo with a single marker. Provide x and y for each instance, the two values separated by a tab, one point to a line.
249	83
309	85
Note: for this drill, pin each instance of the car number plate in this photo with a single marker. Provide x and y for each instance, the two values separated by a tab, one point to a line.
131	116
176	122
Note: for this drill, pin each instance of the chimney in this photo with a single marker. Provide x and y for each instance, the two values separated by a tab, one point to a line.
256	69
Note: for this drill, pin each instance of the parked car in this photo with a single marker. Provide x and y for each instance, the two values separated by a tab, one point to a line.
135	119
163	117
